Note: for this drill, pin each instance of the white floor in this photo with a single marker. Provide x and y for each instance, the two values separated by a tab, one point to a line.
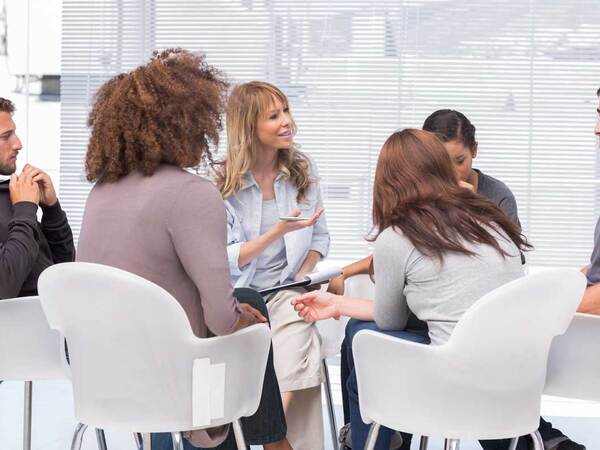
53	420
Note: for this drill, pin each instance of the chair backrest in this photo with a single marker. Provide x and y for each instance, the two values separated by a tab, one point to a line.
132	352
332	331
486	381
513	327
29	349
574	361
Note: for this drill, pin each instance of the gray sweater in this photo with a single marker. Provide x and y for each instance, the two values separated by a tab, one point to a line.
170	229
437	293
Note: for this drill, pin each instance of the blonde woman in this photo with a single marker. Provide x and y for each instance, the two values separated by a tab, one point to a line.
263	179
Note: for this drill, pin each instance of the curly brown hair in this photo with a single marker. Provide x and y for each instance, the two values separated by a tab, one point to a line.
167	111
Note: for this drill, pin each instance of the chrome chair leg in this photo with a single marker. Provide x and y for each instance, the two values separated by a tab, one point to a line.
372	436
451	444
424	443
101	439
330	406
78	436
139	441
513	444
538	442
27	394
239	435
177	441
147	441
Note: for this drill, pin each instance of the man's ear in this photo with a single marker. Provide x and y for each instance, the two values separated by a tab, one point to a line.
474	150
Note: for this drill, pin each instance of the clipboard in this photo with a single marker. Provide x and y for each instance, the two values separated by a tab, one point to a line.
312	278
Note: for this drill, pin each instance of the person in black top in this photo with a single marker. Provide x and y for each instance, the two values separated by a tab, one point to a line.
27	246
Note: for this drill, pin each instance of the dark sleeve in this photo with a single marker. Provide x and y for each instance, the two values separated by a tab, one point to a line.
20	251
508	205
58	233
593	272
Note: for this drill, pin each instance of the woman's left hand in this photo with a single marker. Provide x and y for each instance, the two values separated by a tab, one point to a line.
316	305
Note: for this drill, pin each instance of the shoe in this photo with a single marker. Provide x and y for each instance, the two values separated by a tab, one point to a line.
570	445
345	438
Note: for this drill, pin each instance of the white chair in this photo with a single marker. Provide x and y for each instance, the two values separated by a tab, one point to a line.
332	335
136	365
29	350
574	361
486	381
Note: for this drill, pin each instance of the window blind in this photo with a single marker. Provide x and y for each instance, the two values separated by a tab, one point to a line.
525	73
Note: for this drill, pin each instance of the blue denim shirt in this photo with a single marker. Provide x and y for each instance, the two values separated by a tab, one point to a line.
243	224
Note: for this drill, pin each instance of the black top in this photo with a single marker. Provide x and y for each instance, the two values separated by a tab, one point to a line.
27	247
499	193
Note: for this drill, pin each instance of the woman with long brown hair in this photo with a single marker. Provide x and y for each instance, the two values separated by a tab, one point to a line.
439	248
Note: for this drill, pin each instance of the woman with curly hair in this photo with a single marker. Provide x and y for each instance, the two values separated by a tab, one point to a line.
264	178
149	216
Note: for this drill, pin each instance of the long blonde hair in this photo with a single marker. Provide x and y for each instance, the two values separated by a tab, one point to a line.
247	103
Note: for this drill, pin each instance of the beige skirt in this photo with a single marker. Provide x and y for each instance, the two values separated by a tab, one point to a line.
296	344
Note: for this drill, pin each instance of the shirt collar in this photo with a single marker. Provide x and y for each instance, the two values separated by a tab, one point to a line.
249	180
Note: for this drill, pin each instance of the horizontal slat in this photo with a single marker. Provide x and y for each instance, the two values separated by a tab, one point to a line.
526	73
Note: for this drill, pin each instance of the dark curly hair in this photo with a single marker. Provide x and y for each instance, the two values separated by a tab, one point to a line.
167	111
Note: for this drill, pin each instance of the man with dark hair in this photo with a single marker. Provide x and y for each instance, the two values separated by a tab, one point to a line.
591	298
27	246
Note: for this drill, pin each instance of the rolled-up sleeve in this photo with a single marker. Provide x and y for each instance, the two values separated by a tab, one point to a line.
320	238
234	241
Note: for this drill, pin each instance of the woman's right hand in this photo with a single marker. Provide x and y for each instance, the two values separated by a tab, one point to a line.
249	316
286	226
317	305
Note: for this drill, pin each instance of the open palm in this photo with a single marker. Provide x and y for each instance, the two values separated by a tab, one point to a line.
316	305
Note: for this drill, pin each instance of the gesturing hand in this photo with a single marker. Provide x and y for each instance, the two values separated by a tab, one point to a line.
316	305
47	192
285	226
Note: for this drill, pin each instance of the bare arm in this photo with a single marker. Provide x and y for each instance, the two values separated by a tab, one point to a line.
251	250
318	305
308	266
590	303
336	286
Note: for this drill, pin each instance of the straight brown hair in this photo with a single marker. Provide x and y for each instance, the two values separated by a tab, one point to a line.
416	191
